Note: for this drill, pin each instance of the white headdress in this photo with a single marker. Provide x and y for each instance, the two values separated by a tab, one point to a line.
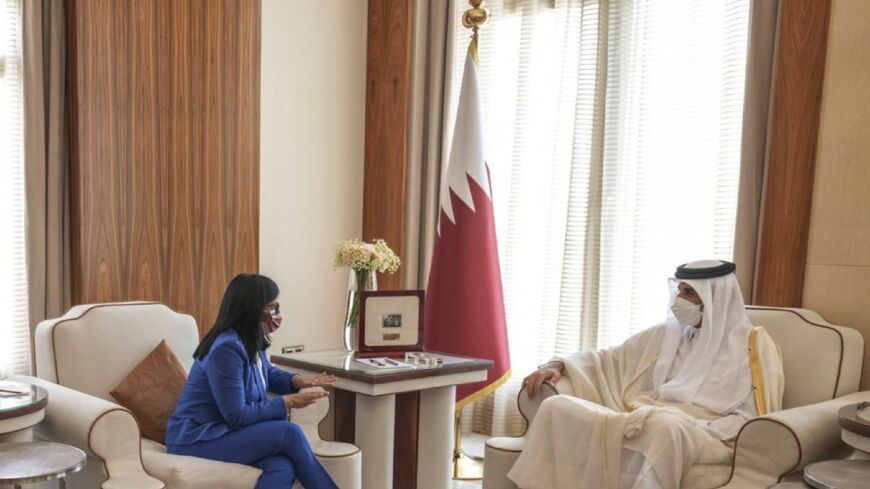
715	374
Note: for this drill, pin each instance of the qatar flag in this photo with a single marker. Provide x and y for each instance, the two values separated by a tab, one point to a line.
464	303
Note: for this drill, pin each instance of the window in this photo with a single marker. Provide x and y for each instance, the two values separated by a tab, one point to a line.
14	328
613	131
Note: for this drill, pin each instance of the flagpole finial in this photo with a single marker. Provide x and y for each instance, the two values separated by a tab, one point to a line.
475	17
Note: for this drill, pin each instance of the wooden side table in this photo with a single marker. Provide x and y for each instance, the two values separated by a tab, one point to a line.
28	462
18	413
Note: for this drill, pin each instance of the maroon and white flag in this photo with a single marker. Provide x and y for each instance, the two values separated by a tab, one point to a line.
464	302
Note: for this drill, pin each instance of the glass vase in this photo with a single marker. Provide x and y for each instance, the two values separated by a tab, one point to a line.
359	281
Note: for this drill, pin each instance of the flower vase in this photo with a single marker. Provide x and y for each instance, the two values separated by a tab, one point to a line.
359	281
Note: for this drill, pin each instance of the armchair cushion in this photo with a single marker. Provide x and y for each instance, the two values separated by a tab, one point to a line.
705	476
182	472
152	389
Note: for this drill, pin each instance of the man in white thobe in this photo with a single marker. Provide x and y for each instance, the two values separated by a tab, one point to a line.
669	397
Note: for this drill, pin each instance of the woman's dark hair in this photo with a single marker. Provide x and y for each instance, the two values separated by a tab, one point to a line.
241	310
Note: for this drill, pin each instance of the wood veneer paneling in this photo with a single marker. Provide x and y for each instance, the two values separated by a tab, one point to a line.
388	99
164	107
406	440
388	91
788	193
344	416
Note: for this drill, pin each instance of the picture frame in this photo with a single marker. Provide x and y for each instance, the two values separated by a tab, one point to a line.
391	322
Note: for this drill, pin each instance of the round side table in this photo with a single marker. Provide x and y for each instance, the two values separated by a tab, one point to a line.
28	462
855	430
838	474
19	412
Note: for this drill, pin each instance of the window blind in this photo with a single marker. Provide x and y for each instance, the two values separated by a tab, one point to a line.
14	327
613	130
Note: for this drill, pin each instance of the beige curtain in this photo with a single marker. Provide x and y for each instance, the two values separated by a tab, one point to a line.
45	157
432	75
763	25
430	129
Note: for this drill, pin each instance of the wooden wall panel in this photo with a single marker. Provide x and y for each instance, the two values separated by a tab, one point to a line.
344	416
164	102
388	92
788	192
388	102
406	439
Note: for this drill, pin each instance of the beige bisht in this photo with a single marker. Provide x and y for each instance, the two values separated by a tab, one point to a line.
627	399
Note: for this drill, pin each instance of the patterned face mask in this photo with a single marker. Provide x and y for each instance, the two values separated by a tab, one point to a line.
271	325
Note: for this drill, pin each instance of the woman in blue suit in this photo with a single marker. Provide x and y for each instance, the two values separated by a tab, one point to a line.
224	413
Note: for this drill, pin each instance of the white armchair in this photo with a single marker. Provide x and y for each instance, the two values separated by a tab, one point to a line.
822	365
82	355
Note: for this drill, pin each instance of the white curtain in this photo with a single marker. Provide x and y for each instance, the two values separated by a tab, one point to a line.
14	326
614	129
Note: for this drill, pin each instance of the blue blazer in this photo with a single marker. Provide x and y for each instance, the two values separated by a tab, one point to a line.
224	392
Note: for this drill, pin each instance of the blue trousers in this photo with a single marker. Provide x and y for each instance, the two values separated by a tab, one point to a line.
279	448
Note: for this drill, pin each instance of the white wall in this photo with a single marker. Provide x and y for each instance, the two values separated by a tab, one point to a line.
311	159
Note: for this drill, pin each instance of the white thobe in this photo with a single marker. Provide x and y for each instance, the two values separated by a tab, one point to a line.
728	426
613	435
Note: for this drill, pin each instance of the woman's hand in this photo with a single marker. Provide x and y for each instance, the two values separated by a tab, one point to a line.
303	399
319	380
550	372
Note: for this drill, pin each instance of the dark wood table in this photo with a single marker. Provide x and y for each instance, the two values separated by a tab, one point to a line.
402	420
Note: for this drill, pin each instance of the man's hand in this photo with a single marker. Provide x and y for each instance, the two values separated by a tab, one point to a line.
550	372
319	380
303	399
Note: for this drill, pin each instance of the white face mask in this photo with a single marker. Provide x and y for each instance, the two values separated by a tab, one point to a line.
687	313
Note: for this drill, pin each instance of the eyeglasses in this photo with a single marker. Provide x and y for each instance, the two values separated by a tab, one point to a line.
273	309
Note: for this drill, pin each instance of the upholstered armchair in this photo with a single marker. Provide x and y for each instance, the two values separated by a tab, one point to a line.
82	355
822	370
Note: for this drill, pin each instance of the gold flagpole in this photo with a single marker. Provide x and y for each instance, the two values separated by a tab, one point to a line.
475	17
464	466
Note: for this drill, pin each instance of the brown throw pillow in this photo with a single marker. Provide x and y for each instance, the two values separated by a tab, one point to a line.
152	389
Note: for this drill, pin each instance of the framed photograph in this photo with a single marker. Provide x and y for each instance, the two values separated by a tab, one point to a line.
391	322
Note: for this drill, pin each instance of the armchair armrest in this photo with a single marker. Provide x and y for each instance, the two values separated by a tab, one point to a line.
309	418
100	428
529	407
777	444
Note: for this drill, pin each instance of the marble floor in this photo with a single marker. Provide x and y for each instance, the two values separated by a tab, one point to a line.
472	445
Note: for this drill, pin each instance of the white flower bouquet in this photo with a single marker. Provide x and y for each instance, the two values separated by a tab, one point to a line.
365	259
371	257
